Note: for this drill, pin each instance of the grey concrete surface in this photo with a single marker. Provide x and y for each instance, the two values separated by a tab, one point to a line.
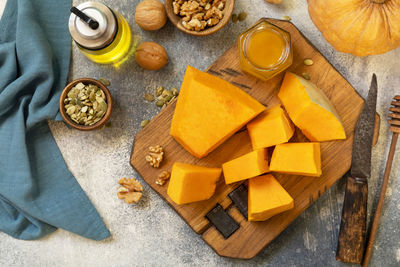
151	233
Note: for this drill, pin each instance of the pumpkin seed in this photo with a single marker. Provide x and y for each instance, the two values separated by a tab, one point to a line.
80	86
175	91
159	90
149	97
85	104
287	18
71	110
109	124
166	93
168	98
144	123
92	96
308	62
72	94
103	107
99	99
306	75
160	103
234	18
99	114
104	81
242	16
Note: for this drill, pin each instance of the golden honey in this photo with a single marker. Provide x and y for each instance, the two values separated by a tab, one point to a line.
265	50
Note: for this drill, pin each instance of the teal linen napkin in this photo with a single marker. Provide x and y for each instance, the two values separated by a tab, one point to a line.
37	192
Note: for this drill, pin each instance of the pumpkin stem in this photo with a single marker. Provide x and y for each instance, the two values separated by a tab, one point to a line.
378	1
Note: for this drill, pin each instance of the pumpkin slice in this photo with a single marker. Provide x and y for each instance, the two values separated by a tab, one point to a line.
270	128
310	109
249	165
297	158
209	110
190	183
267	198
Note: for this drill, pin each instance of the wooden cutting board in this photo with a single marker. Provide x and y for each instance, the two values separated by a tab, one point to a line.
252	237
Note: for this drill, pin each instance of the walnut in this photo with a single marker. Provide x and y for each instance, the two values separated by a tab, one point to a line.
163	178
150	15
155	156
185	19
212	21
196	14
213	12
131	184
130	191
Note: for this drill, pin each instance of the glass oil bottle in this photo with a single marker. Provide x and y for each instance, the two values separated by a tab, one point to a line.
101	34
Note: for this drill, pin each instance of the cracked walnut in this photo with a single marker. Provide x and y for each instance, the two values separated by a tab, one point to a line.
197	15
130	190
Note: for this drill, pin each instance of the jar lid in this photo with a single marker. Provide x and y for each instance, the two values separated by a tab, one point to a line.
90	38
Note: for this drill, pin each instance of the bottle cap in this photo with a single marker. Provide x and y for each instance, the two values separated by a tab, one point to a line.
84	34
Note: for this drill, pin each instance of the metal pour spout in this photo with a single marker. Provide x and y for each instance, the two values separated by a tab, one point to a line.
93	24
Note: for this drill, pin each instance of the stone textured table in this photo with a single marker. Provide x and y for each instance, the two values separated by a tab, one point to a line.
151	233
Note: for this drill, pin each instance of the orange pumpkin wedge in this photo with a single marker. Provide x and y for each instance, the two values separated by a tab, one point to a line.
190	183
297	158
270	128
209	110
310	109
267	198
249	165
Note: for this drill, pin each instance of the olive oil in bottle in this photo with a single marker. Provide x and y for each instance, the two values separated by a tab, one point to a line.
101	33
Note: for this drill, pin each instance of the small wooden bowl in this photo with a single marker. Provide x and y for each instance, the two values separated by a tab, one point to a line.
75	125
177	20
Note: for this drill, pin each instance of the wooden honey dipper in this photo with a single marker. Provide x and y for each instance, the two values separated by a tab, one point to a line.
394	122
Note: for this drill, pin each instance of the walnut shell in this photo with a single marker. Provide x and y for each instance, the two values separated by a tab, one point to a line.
150	15
151	56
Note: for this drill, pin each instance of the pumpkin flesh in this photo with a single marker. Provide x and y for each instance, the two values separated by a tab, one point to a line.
190	183
208	111
249	165
267	198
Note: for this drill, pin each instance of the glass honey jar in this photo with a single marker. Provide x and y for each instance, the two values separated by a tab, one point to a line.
265	50
101	34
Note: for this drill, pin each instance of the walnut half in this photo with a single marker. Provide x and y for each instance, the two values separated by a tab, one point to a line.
155	156
130	190
163	178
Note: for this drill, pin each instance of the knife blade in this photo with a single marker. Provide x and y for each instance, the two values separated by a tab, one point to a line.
363	135
351	242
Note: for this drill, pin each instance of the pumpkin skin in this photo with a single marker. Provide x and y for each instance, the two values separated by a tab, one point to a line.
359	27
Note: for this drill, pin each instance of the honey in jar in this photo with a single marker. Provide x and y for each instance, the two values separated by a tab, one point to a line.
102	34
265	50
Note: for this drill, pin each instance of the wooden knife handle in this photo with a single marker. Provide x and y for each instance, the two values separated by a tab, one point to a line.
351	242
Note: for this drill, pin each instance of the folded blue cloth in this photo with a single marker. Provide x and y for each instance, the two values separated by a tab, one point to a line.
37	192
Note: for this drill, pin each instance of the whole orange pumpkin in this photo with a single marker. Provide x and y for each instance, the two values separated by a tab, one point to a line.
359	27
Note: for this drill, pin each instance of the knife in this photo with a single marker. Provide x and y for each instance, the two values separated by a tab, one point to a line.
351	242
